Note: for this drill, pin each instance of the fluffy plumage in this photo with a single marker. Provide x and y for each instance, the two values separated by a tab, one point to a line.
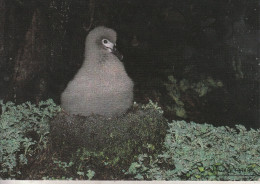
101	85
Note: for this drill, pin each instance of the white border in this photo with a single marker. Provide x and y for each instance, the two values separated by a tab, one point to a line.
118	182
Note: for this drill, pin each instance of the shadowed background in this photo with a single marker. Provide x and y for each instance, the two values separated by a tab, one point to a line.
198	59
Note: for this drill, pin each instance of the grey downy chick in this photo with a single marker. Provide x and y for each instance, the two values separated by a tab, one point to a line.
101	85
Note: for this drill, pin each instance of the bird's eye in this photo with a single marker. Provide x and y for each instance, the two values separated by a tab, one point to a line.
105	41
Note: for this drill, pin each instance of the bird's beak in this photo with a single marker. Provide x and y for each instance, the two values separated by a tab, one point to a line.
117	53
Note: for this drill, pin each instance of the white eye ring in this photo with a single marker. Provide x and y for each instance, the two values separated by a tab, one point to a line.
105	41
108	45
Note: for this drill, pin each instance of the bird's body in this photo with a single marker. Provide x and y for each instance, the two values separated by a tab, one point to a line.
101	85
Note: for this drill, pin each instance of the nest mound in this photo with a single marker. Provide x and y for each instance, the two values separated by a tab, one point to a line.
138	127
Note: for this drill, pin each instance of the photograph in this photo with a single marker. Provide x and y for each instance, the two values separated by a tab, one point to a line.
129	90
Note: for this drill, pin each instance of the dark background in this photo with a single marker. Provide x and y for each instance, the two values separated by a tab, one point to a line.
42	47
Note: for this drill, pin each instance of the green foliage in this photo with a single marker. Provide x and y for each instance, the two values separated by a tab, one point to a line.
80	162
23	130
177	88
67	167
151	105
90	174
202	152
190	151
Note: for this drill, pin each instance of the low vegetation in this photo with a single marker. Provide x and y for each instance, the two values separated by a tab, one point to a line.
42	142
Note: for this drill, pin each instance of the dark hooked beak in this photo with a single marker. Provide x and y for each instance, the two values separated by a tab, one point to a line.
117	53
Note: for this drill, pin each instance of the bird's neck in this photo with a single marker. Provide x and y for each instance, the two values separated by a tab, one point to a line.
91	59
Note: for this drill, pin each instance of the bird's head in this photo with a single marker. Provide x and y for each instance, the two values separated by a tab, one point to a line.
104	40
111	47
